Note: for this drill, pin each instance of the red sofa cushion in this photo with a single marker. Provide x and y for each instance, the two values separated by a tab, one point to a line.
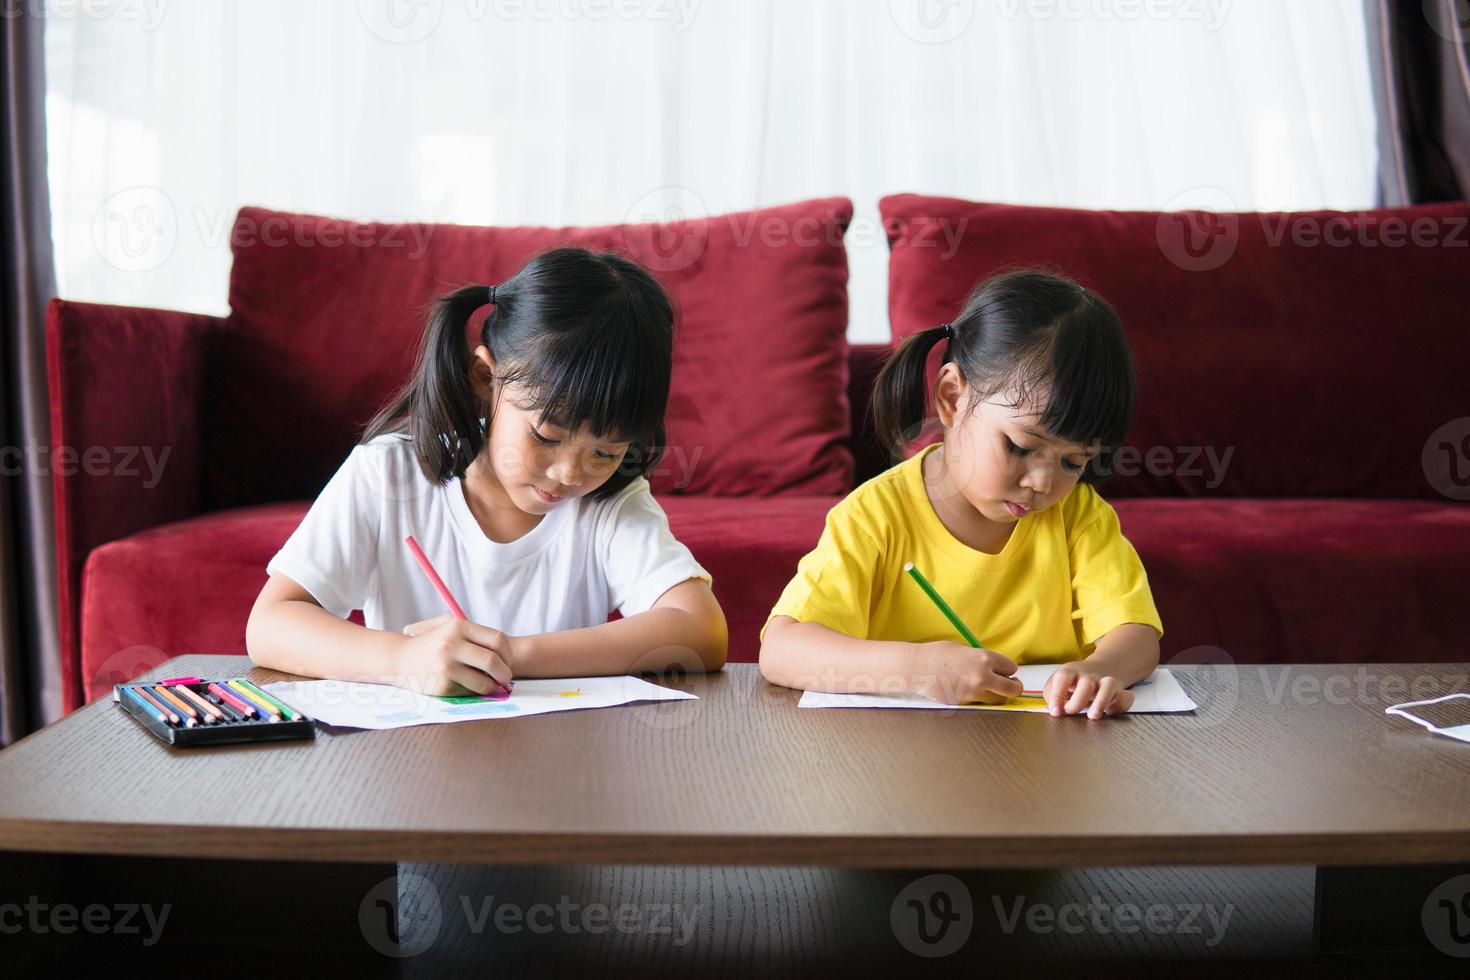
326	316
1269	581
1307	581
1317	348
184	587
187	587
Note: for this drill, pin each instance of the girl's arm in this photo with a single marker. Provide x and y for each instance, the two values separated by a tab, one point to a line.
684	628
1129	652
289	631
1122	657
811	657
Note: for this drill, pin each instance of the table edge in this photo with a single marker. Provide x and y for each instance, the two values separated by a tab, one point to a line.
883	851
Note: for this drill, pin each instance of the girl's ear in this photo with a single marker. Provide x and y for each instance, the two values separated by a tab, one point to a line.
950	392
482	373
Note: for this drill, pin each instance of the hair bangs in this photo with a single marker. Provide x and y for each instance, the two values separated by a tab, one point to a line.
601	379
1091	389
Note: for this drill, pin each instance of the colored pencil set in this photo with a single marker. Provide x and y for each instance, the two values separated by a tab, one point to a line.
195	711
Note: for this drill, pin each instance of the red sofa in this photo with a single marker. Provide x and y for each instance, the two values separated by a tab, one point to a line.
1328	536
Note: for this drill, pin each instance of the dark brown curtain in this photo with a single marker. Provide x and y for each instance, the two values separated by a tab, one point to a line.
30	679
1419	54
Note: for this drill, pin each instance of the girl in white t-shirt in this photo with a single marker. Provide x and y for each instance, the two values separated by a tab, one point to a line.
520	469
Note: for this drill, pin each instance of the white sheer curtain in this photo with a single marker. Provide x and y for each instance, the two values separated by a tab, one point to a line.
164	117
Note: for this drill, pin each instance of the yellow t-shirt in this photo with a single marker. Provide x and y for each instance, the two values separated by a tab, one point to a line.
1065	577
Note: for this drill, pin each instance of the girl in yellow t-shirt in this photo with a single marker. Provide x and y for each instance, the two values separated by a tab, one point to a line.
1035	391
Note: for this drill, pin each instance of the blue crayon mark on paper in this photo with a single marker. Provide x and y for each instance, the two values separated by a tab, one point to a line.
484	708
402	716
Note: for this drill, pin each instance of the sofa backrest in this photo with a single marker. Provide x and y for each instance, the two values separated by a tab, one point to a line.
326	317
1279	355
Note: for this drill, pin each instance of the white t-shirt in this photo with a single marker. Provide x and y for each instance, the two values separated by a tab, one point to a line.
583	560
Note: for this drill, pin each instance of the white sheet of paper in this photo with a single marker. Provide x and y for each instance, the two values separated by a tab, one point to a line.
1159	693
1460	732
351	705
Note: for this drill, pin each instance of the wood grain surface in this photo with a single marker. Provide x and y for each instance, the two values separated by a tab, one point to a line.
1282	765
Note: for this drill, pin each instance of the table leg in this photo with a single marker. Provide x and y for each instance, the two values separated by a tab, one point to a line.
1392	907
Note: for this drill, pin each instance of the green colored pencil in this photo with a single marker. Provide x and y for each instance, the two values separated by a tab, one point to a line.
949	613
274	702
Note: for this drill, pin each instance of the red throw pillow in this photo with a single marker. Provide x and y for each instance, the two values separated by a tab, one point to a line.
326	316
1303	354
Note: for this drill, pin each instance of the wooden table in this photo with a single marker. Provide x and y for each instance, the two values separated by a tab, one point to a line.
1282	766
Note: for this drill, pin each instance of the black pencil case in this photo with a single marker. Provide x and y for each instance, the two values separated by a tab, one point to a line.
250	729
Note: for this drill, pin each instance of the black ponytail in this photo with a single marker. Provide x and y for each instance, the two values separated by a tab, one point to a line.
900	400
438	408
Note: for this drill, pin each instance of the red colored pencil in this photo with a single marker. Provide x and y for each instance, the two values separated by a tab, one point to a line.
443	589
248	710
434	578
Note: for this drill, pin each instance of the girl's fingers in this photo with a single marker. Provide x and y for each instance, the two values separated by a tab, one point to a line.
1106	690
1002	664
1057	687
471	679
485	661
1081	695
1121	703
490	639
1005	686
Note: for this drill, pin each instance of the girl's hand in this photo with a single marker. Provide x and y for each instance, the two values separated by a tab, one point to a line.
1075	685
953	673
447	657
